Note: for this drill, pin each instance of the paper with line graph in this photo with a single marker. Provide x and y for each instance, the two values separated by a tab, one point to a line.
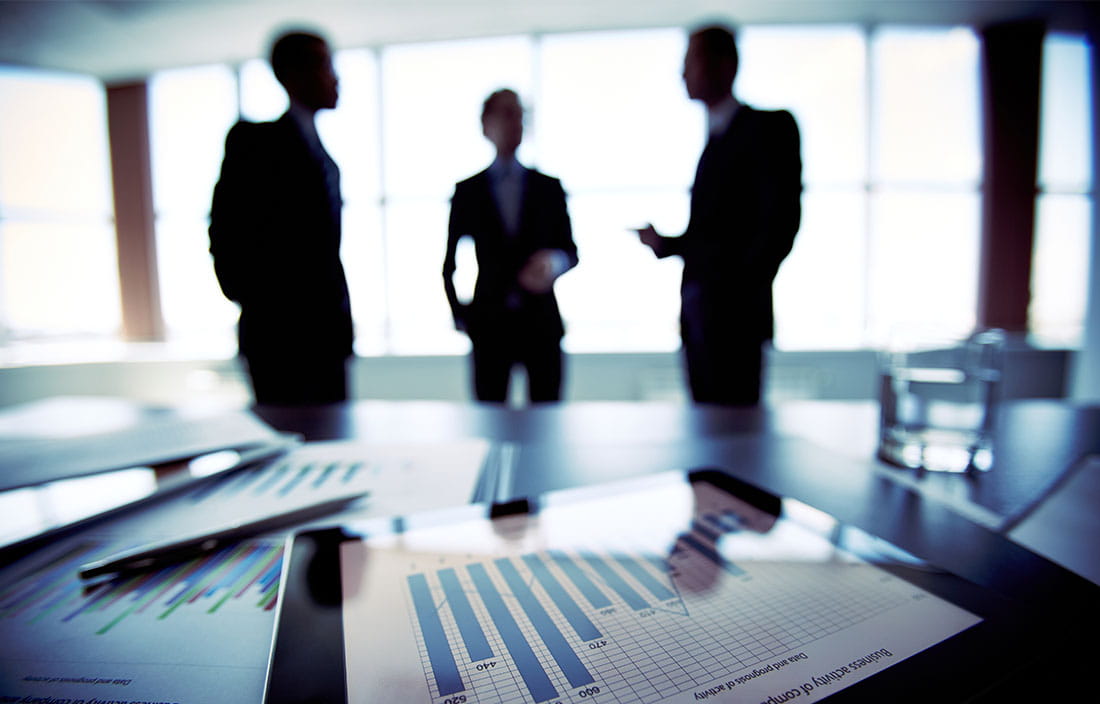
666	594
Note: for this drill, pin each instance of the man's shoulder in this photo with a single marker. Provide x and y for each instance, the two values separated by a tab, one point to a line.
249	132
476	181
779	120
758	127
762	115
249	127
538	179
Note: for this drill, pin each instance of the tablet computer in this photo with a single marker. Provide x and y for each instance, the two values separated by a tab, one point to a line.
678	587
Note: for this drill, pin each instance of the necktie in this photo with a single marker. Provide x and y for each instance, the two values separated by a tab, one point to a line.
508	198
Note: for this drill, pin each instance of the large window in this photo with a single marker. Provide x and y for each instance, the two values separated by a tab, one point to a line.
614	125
190	110
891	163
1063	225
890	124
58	270
820	75
891	153
431	138
925	207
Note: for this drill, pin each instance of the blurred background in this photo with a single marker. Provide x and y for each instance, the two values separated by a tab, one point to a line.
113	116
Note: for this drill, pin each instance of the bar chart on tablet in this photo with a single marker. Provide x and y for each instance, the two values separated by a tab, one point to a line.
643	615
638	585
583	622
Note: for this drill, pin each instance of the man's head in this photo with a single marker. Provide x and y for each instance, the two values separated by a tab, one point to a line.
502	121
303	65
710	64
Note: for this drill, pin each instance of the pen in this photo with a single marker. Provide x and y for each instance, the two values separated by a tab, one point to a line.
283	444
178	549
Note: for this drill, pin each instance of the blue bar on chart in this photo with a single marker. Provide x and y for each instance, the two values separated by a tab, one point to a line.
563	654
580	580
661	563
353	469
581	624
617	583
298	479
274	476
534	676
325	473
712	555
477	646
645	578
447	678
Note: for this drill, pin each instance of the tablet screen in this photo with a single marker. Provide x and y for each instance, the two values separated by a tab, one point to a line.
659	592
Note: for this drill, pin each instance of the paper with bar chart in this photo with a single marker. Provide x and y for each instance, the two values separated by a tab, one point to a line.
669	594
198	631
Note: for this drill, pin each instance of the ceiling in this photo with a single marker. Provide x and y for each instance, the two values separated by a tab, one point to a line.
120	40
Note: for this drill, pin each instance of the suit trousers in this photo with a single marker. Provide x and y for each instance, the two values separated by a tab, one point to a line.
299	380
724	365
495	354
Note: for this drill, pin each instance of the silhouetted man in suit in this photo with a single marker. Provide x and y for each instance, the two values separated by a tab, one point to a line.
523	240
275	238
745	211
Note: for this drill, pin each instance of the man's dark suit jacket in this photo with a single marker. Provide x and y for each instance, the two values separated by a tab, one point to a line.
543	224
745	212
275	240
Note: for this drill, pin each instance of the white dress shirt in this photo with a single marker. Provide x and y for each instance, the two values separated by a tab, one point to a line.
506	176
720	116
305	119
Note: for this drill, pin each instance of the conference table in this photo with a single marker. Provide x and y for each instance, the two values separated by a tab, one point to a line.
820	453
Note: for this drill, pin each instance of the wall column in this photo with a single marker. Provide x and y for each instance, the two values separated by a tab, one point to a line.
1011	73
128	127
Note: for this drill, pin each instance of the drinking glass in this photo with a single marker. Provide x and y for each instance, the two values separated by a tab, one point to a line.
938	401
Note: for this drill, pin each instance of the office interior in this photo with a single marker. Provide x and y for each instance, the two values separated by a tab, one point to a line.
123	46
971	224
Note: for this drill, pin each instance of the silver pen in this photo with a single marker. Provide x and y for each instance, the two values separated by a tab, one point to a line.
179	549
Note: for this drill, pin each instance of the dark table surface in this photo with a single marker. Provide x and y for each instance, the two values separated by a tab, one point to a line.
561	445
819	452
